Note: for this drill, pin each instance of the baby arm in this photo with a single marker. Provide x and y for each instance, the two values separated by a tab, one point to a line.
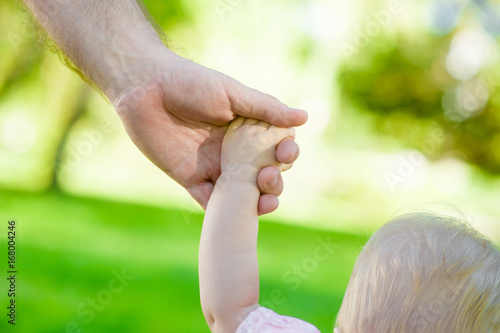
229	275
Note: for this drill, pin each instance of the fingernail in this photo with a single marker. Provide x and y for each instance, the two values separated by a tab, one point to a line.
274	182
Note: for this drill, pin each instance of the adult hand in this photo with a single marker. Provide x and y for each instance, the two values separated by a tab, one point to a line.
179	116
174	110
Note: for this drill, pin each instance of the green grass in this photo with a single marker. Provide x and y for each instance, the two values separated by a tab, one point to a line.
68	248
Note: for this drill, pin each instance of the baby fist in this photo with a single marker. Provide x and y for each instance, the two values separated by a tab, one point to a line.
250	145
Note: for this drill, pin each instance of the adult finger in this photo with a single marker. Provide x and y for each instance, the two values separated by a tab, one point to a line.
287	151
269	181
252	103
267	204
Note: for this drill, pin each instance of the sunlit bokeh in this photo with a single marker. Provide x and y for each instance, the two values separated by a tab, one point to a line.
404	114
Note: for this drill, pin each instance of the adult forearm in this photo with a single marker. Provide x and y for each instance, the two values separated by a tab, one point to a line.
111	41
229	277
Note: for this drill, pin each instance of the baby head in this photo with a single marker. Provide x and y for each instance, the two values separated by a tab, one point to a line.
424	273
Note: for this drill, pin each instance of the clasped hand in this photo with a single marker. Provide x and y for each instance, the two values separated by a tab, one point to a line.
178	119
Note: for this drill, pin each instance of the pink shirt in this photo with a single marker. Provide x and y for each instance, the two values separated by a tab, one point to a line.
263	320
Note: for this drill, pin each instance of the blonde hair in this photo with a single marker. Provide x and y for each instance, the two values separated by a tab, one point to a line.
424	273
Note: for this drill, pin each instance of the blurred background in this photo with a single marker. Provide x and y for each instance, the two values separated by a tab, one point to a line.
404	114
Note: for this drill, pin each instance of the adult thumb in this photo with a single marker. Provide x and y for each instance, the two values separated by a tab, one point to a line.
251	103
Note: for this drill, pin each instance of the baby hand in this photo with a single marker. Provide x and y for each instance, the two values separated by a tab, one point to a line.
250	145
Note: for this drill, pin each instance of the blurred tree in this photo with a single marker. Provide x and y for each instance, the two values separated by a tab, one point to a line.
446	77
55	99
75	112
169	14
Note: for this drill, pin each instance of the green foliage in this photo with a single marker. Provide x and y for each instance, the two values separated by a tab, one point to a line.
169	14
71	247
407	87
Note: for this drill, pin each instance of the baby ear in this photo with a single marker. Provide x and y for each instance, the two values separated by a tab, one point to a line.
336	330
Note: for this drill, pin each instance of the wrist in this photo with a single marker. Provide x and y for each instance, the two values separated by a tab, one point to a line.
235	191
240	172
138	61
